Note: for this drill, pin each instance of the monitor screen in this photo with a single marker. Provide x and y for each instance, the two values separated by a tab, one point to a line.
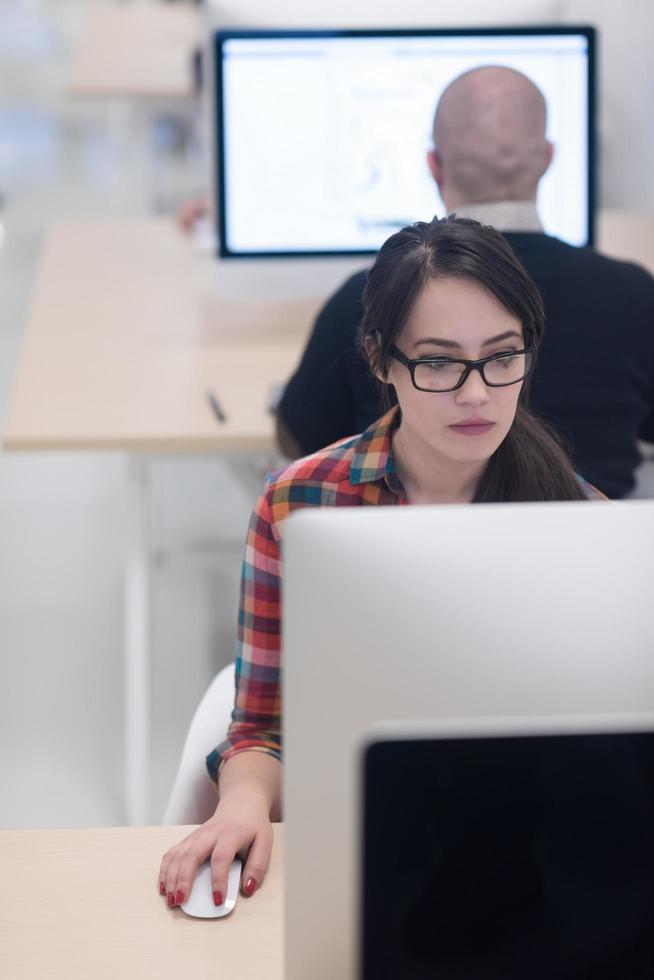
502	858
322	136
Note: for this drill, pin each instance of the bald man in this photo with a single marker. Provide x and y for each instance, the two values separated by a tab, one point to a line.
594	376
489	140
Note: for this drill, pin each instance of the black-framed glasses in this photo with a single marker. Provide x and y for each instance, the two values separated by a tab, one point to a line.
448	374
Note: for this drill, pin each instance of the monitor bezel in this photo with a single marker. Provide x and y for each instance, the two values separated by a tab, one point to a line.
222	36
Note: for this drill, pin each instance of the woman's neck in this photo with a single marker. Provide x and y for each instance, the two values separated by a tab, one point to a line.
429	478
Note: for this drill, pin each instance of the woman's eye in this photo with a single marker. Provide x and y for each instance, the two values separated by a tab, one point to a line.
436	366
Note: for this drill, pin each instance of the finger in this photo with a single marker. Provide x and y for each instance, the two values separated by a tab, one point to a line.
257	861
163	870
168	870
221	860
187	868
171	879
184	862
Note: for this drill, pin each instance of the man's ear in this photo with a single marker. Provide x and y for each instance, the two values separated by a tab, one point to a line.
549	155
435	165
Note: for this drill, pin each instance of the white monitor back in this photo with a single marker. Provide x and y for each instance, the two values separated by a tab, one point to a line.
284	278
429	614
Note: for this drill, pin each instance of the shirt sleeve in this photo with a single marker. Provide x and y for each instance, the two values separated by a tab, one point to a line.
256	719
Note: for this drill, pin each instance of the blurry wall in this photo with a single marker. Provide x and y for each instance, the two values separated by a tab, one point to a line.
626	91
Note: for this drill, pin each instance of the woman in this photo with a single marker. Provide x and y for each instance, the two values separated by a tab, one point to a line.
451	327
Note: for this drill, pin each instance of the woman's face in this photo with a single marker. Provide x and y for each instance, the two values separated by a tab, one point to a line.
457	318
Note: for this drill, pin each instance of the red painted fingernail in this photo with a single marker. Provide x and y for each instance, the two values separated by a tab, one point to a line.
179	897
162	888
171	900
250	886
217	898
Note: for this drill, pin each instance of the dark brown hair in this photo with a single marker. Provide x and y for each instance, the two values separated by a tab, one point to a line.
529	464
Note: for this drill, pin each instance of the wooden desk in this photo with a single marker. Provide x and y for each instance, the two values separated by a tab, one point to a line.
136	50
126	333
84	905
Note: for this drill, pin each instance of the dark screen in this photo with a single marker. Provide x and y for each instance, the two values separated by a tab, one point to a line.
522	857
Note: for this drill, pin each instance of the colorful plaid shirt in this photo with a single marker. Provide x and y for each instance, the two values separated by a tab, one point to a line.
356	471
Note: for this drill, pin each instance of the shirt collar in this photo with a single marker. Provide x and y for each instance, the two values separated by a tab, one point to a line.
373	459
504	215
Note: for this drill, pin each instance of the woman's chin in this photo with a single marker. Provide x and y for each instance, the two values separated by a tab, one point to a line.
478	451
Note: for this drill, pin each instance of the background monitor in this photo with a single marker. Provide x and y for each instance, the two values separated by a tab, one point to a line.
434	614
322	135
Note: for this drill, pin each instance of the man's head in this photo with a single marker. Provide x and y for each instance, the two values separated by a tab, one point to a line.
489	138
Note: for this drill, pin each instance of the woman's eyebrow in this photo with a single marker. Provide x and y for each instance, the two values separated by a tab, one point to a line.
441	342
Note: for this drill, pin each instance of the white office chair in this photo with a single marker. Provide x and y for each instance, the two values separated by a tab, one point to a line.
193	797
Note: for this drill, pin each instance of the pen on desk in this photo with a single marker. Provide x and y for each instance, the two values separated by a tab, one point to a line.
215	407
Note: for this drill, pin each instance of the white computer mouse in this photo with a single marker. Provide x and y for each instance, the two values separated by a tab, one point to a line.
200	901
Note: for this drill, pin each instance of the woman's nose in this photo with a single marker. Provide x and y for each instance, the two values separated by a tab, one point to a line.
474	389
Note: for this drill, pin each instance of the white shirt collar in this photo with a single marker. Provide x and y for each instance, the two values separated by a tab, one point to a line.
504	215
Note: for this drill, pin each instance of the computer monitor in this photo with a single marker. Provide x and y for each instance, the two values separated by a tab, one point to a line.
440	614
322	135
531	851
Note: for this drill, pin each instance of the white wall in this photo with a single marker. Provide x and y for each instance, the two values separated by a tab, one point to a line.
373	13
626	92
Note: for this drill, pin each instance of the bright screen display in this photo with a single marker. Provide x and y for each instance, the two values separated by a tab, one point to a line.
322	137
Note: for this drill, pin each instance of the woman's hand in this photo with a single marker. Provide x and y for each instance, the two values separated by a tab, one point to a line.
191	211
250	793
240	826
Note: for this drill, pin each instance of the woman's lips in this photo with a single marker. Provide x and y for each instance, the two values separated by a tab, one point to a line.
472	428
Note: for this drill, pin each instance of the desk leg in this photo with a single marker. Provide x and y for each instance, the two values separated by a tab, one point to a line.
137	644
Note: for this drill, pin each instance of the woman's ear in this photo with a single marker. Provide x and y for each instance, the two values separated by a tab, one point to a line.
373	350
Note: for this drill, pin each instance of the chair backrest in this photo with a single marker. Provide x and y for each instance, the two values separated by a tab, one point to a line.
193	796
